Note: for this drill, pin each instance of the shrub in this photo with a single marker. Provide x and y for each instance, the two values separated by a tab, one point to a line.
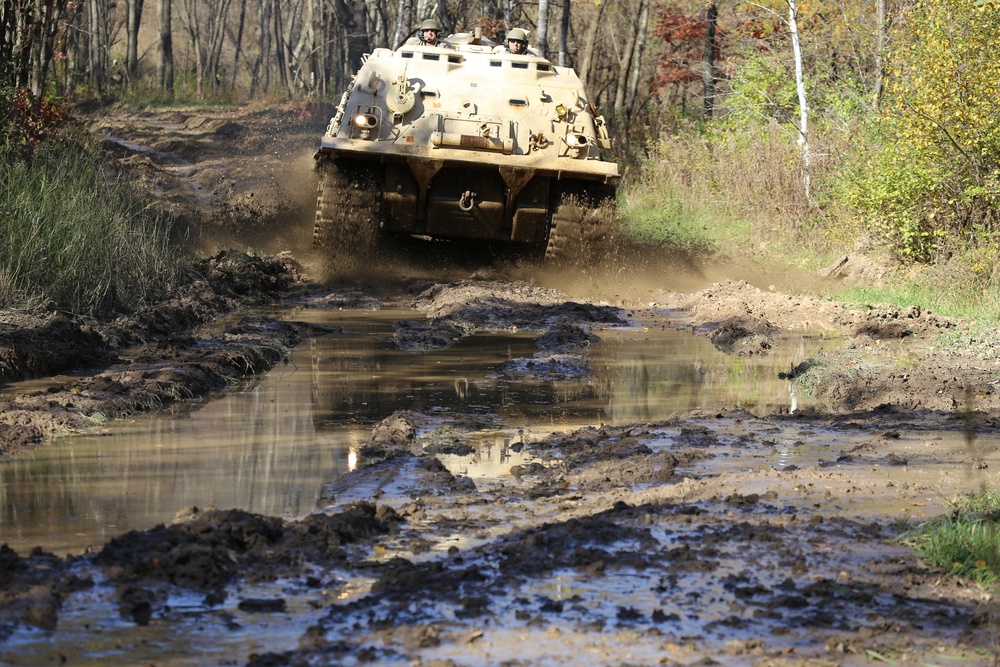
27	120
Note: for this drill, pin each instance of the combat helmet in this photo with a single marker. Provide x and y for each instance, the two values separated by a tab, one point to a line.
518	34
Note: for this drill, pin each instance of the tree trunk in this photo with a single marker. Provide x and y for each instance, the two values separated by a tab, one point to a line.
640	47
879	51
543	28
351	17
708	63
325	49
75	46
216	27
194	26
624	68
281	50
309	27
446	22
261	68
564	34
404	19
591	42
47	17
800	87
98	52
239	41
133	18
8	29
166	65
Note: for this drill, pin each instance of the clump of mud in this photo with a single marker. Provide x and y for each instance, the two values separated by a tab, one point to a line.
459	309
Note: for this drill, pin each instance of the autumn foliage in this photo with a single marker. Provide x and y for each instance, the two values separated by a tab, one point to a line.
682	38
27	120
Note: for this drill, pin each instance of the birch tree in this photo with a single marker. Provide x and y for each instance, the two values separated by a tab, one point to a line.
800	89
788	17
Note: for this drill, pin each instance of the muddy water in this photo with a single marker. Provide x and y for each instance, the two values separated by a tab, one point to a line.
271	448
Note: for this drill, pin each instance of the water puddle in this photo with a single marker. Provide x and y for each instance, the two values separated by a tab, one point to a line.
227	633
137	148
271	448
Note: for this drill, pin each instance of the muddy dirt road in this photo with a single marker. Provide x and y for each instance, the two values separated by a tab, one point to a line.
718	536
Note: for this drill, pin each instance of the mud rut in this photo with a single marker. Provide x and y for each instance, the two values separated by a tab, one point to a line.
612	546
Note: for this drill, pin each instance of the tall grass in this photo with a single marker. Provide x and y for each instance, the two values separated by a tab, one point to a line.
726	186
967	542
736	190
958	299
74	237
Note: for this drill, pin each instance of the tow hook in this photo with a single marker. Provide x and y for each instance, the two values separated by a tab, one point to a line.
466	202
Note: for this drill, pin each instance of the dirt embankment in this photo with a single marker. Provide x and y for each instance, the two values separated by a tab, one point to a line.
890	357
151	359
659	543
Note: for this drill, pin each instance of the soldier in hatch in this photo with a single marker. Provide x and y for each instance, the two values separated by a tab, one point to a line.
427	35
516	43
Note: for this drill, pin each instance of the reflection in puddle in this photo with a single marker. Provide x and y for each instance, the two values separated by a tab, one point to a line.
271	448
224	634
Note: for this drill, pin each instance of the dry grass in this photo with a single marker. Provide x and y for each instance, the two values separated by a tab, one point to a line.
74	238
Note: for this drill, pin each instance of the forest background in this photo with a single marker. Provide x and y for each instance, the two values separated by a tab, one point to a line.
806	128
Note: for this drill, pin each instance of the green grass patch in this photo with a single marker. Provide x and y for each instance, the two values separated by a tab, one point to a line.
967	542
957	300
986	504
75	238
648	219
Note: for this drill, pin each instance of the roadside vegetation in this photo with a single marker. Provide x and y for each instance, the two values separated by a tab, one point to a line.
966	542
73	237
892	151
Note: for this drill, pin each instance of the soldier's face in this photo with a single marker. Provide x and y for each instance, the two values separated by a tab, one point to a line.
430	35
515	46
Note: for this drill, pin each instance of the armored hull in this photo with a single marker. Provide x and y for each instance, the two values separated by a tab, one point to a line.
463	142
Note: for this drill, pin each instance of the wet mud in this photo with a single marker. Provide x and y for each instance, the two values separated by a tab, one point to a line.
686	541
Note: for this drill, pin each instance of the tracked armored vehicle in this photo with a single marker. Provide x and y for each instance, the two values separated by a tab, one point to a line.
462	142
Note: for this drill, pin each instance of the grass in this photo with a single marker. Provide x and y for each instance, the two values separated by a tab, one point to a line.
737	192
967	542
75	238
957	299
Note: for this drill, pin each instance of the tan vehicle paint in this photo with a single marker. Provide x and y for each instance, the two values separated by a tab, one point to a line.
464	142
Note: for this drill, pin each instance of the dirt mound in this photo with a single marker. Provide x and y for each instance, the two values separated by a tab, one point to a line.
225	175
458	309
886	322
737	300
34	346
